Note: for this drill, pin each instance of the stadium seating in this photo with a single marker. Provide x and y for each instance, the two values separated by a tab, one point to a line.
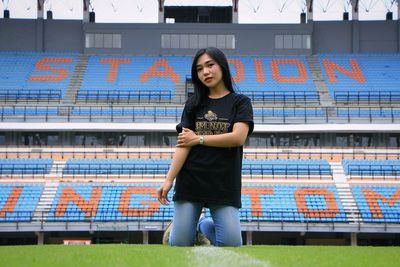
368	112
25	166
147	78
18	201
278	186
365	77
378	203
128	111
292	203
372	167
161	165
35	76
274	78
29	111
138	77
108	202
289	112
286	166
116	166
349	77
138	201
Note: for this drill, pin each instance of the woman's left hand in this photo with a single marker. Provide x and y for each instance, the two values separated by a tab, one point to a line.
187	138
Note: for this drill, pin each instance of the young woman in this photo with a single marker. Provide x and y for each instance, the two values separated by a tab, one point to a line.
207	162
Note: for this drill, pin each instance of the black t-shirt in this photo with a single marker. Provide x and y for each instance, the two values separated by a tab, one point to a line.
212	175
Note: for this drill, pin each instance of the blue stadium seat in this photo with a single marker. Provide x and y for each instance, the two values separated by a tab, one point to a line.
35	75
378	79
378	203
25	165
24	198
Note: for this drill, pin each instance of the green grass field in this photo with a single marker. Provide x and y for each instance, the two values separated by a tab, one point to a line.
160	256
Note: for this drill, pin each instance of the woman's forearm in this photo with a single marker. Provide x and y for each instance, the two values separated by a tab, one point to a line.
179	158
237	137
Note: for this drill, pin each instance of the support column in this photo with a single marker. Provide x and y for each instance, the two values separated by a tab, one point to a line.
40	27
249	238
355	36
353	239
146	237
40	237
355	41
398	25
309	10
39	36
86	10
161	11
235	12
40	9
354	10
398	35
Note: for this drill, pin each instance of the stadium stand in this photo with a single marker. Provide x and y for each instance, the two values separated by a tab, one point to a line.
35	76
113	202
372	167
377	203
24	165
298	188
140	77
366	77
19	201
88	136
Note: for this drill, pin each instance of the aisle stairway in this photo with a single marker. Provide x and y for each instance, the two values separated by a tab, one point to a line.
46	200
319	81
345	193
75	84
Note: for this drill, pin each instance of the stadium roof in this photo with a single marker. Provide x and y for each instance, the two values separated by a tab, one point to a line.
249	11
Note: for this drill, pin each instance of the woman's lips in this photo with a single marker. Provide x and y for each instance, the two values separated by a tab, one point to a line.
207	80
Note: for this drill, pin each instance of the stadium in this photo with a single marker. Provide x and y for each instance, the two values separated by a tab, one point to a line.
89	109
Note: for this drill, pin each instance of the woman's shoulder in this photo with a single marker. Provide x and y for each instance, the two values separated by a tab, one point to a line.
238	97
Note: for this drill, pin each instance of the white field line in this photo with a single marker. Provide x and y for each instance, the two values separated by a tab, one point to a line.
220	257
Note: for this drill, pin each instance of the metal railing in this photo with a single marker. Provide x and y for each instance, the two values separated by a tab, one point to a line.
172	113
370	97
166	213
147	152
149	170
31	95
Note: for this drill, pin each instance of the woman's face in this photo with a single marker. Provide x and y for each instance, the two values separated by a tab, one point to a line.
209	72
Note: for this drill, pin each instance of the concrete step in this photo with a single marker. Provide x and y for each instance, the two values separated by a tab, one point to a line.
46	201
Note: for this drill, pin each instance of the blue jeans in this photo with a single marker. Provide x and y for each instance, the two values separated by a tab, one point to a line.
222	230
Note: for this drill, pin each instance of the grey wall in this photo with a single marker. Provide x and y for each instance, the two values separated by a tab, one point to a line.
251	39
41	35
18	35
382	35
63	36
335	36
146	38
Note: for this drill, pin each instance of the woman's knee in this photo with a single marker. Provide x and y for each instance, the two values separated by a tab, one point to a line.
227	226
181	236
230	240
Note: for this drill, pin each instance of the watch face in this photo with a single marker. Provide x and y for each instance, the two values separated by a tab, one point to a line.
201	140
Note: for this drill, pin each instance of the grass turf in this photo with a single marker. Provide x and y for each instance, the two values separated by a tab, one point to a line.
158	255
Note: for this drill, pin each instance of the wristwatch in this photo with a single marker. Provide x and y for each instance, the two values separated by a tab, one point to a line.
201	140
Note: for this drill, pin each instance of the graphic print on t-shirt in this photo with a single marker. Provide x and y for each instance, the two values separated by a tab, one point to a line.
210	116
211	124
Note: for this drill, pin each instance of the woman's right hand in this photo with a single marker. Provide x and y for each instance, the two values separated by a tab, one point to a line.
162	192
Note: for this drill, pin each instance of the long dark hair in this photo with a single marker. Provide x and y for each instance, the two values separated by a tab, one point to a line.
200	90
